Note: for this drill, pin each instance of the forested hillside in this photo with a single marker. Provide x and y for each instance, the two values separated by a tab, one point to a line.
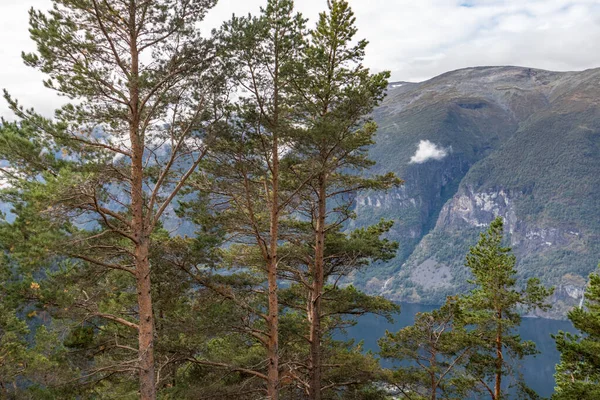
515	142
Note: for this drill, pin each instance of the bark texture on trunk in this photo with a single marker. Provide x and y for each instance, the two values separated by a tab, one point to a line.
142	275
273	348
499	360
140	231
316	295
146	324
433	378
273	316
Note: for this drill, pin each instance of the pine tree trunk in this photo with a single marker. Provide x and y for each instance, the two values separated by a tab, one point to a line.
433	387
316	295
433	364
143	284
273	320
139	229
499	359
146	324
273	347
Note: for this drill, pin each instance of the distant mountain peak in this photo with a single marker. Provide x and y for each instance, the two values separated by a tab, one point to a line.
525	145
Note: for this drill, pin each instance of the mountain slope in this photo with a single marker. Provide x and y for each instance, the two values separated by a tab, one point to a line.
509	141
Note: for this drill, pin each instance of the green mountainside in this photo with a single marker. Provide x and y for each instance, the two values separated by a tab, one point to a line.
516	142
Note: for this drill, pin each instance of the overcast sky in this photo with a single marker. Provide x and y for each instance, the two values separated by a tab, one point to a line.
415	39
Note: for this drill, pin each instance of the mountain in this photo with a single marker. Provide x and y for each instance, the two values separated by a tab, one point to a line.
475	143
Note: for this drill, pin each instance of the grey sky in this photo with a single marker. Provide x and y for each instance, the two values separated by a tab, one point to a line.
415	39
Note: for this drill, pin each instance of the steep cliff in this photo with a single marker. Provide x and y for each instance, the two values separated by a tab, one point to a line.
476	143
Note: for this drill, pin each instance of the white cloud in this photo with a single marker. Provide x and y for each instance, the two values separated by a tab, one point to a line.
415	39
4	183
429	151
4	176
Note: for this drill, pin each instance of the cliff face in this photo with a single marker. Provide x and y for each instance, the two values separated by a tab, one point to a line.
477	143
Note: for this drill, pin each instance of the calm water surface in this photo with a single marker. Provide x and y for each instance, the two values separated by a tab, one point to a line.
538	370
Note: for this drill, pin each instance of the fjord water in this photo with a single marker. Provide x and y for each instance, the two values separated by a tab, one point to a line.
538	371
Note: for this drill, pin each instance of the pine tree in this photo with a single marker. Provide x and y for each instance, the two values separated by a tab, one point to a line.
14	353
578	372
493	309
270	160
245	167
29	347
431	355
343	367
106	169
335	94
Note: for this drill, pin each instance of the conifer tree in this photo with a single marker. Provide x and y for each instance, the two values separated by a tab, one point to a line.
493	308
104	171
431	355
14	354
335	94
245	168
578	372
274	153
342	366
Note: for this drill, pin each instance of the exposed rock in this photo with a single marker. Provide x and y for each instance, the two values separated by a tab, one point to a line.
432	275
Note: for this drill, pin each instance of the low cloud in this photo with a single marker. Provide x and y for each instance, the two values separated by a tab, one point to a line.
429	151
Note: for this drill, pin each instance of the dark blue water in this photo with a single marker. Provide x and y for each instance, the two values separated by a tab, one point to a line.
538	371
